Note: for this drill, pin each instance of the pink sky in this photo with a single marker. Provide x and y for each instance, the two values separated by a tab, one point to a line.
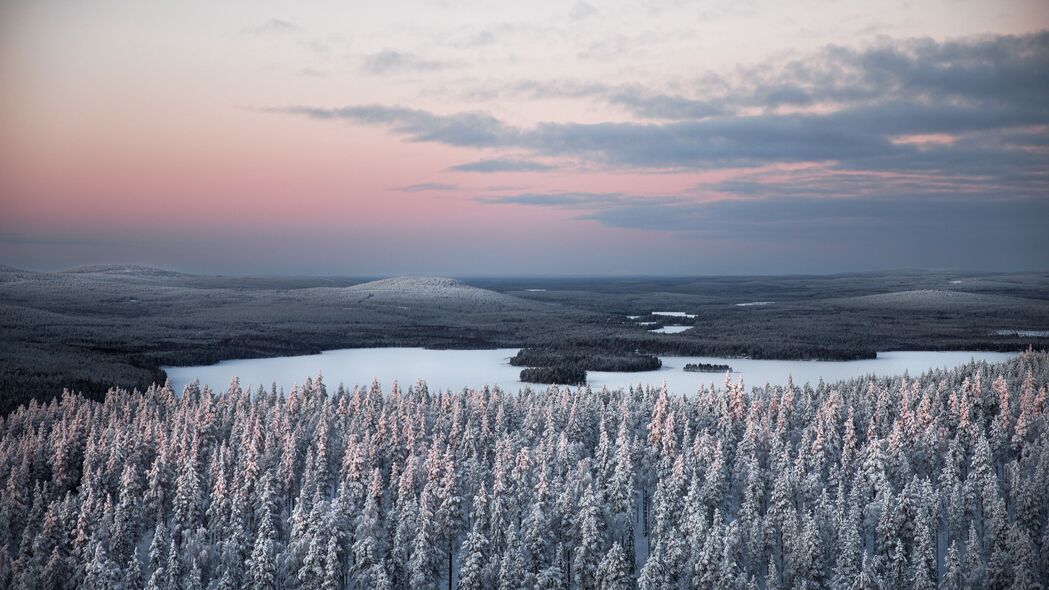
149	133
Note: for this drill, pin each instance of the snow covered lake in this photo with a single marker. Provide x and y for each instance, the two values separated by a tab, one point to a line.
455	369
671	329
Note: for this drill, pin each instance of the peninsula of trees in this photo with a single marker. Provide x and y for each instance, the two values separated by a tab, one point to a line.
587	359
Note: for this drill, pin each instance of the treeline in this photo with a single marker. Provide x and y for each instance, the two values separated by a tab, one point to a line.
646	344
591	360
568	366
31	373
940	481
707	368
567	374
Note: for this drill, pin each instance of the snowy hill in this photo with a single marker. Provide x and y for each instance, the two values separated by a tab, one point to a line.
124	269
927	298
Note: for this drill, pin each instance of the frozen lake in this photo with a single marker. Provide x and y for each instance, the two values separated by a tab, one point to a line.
671	329
455	369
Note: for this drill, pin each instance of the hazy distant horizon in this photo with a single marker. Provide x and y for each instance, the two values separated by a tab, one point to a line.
526	276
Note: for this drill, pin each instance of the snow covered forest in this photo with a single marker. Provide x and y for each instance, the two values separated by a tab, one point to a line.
940	481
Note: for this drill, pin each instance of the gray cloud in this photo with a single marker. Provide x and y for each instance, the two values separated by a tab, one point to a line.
582	10
857	138
426	187
461	129
983	99
993	72
502	165
389	61
940	228
615	209
650	105
274	25
18	238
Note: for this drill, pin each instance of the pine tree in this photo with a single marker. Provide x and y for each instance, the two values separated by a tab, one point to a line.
423	566
613	573
923	555
589	551
187	501
974	569
449	517
193	579
367	546
314	563
174	568
101	572
262	571
133	579
157	579
1023	561
473	570
953	578
869	578
54	575
513	573
332	566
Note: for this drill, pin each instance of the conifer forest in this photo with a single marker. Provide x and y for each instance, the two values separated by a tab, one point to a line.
543	295
924	482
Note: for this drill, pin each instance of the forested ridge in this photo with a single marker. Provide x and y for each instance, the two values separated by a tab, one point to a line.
938	481
96	327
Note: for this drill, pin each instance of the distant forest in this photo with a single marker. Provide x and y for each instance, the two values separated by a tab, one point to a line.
588	359
91	329
707	368
940	481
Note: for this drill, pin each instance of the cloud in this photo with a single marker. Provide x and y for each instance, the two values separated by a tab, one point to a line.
274	25
502	165
883	219
469	129
650	105
609	49
18	238
844	109
994	72
667	213
582	10
860	138
389	61
426	187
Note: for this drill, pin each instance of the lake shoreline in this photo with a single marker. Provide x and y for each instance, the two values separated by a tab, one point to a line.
444	369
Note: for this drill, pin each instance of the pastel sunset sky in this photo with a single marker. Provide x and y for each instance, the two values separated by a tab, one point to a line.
552	138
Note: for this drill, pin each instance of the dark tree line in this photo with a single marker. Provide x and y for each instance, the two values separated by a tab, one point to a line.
565	374
940	481
707	368
591	360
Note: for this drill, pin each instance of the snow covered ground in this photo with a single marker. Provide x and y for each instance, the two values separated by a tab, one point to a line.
1024	333
671	329
674	314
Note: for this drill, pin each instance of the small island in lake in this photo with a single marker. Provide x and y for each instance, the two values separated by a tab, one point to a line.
563	374
707	368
